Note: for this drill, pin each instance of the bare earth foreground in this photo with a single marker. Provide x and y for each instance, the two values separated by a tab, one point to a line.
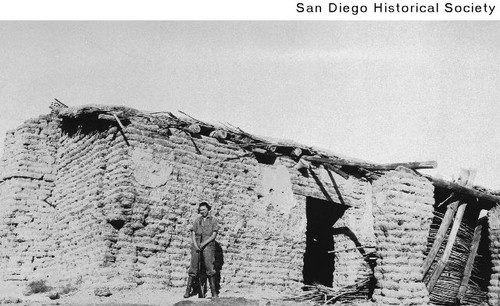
141	297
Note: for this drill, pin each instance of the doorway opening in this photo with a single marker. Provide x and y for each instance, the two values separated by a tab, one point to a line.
318	262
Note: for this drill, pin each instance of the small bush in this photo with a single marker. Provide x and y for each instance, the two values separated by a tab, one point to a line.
38	286
67	289
78	281
71	287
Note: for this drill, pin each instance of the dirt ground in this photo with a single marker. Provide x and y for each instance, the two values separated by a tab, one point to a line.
140	297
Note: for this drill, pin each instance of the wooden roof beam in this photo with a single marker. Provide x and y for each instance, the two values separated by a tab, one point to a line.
464	190
370	166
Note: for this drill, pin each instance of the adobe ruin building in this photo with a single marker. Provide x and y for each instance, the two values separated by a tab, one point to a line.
104	196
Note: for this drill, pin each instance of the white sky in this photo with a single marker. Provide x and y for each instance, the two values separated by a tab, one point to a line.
380	91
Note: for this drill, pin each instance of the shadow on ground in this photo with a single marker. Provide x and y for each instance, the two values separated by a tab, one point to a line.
223	301
236	301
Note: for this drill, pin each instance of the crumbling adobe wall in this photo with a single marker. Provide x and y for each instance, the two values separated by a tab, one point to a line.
353	232
169	179
261	209
99	211
91	192
494	236
57	200
27	175
354	238
403	211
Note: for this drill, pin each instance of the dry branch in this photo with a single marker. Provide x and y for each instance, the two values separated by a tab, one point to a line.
323	295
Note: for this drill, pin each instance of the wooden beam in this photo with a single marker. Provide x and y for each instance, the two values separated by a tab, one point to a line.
338	171
263	151
320	185
194	144
411	165
121	128
440	236
463	189
350	249
446	200
337	190
449	245
470	260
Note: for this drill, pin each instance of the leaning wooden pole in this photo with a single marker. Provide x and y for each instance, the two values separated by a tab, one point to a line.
320	185
470	260
449	246
337	190
121	128
440	236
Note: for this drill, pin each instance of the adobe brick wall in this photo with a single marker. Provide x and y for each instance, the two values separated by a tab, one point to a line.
86	207
403	211
27	175
494	237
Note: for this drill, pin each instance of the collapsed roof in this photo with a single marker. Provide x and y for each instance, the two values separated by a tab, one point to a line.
305	156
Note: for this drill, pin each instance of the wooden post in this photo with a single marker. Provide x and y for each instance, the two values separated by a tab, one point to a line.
466	178
470	260
449	245
440	236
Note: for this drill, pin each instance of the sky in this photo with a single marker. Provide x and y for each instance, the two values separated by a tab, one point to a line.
381	91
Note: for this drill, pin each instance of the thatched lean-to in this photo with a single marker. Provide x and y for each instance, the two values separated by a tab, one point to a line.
447	287
102	197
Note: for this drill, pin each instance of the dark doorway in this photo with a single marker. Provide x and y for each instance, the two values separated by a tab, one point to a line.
318	263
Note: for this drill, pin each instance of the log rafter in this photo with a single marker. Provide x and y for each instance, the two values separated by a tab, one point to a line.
465	190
